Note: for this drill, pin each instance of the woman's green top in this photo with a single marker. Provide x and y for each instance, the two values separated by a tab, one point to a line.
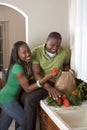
12	88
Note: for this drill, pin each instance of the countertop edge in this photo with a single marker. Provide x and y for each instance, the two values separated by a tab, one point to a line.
56	119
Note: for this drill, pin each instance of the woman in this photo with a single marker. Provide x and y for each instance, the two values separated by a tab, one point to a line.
18	71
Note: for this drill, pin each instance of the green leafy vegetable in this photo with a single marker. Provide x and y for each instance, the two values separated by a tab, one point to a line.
51	102
74	100
82	91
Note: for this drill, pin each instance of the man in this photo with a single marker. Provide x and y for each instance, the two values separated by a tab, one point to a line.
45	57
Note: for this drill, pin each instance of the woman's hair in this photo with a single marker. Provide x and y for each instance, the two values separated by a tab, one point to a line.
55	35
14	54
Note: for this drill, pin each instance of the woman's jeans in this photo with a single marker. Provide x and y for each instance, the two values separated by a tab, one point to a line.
10	111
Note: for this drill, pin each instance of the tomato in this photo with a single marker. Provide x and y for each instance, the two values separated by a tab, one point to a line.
66	102
59	100
63	96
74	93
54	70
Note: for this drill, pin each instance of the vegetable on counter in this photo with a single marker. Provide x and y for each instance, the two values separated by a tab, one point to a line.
66	102
82	91
51	102
67	99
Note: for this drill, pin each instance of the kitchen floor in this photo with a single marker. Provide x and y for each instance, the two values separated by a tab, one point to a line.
12	127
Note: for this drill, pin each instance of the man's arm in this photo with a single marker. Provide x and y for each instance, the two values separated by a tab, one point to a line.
51	90
36	71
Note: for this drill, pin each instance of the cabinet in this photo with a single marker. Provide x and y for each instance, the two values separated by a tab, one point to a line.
45	122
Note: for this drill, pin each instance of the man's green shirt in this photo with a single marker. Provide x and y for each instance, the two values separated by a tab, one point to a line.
47	63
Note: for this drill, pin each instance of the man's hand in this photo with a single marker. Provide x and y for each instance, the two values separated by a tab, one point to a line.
53	92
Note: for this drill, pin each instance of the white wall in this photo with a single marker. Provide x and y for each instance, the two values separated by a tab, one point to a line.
16	24
44	16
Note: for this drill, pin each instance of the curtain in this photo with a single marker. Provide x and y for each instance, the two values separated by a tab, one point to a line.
78	37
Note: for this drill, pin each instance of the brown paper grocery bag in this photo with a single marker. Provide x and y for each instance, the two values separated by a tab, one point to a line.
66	80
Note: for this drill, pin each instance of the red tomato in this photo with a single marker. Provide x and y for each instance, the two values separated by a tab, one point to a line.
54	70
66	103
63	96
59	100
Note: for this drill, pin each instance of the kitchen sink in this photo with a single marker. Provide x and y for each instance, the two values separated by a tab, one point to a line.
74	117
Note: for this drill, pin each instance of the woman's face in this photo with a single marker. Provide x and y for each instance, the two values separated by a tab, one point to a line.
52	45
24	53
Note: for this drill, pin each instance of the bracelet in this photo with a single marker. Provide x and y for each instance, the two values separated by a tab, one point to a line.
38	84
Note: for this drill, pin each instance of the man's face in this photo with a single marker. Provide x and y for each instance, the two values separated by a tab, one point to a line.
52	45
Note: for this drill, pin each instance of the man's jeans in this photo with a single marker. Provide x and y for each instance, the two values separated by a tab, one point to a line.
30	101
11	111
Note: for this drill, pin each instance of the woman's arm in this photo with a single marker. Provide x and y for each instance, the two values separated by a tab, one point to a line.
25	84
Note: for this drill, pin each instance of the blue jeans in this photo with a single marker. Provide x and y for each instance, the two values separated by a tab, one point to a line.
10	111
30	101
30	107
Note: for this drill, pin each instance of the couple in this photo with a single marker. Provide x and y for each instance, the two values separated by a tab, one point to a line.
21	67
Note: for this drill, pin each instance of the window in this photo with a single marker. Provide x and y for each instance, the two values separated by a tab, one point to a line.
79	38
1	49
3	44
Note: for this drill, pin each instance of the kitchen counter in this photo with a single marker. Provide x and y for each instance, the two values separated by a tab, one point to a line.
67	118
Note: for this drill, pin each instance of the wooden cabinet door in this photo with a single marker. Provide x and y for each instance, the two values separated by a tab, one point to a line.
46	123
